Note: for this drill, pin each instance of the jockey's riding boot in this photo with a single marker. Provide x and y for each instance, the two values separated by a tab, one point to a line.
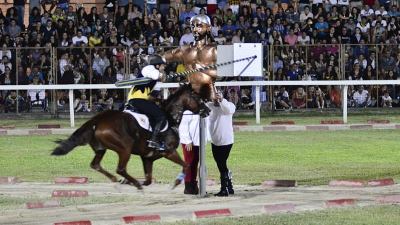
195	187
188	188
224	186
230	186
153	142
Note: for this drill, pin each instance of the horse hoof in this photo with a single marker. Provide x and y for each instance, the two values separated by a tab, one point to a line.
146	183
114	179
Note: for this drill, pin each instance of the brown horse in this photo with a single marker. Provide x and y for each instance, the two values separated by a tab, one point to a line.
120	132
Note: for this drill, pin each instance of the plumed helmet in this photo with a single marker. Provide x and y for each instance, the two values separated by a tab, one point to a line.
202	18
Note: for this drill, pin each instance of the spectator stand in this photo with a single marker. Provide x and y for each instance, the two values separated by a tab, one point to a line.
366	36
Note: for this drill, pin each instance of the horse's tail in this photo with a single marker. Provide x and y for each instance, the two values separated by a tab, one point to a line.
81	136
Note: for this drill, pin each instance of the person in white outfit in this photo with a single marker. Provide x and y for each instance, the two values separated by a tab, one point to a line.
221	133
189	135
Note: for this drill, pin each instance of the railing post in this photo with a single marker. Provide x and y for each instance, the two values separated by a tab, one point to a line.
258	104
71	107
344	103
202	156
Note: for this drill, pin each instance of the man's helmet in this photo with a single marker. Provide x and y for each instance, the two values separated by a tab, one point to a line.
201	18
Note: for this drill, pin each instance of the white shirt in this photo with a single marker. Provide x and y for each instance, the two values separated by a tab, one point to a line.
76	40
386	99
189	129
367	13
220	123
360	98
186	39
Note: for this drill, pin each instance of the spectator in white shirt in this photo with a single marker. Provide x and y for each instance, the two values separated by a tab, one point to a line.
221	133
303	39
361	97
79	39
186	38
386	100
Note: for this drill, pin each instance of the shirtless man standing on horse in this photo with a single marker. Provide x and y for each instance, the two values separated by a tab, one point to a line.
199	54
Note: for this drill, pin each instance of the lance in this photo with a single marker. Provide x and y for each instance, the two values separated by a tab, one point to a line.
145	80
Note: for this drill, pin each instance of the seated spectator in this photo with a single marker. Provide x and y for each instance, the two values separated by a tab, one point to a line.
166	39
299	98
104	101
10	103
291	38
386	100
36	73
37	97
220	39
187	37
246	100
233	96
282	99
81	104
79	39
320	97
13	29
361	97
6	78
304	39
95	39
335	97
311	98
228	29
322	28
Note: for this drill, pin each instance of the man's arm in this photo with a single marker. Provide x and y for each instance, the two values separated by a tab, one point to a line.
174	55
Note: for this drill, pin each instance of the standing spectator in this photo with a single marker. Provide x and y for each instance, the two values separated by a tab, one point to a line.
189	135
222	138
20	8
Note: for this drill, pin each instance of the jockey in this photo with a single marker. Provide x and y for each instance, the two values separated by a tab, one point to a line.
139	95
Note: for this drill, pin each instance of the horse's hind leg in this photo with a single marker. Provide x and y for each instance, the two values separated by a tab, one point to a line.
95	164
174	157
121	170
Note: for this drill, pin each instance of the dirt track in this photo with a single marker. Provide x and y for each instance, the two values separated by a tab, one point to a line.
172	205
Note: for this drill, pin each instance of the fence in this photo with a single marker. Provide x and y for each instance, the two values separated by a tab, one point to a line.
87	65
257	84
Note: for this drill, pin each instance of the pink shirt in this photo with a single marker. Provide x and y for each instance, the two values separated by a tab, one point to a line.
291	39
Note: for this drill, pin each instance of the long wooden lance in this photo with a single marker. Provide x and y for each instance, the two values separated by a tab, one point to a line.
145	80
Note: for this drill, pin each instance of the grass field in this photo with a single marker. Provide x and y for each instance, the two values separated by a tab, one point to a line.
373	215
311	158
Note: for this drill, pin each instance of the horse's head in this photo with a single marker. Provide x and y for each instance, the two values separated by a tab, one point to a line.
183	99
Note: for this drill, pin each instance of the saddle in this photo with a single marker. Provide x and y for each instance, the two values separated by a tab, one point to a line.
141	118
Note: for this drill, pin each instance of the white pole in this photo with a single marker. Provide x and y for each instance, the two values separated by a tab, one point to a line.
258	104
71	107
344	103
202	152
165	93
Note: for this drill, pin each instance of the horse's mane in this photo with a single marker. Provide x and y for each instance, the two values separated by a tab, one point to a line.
182	89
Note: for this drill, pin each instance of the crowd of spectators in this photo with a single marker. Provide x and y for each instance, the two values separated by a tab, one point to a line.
302	38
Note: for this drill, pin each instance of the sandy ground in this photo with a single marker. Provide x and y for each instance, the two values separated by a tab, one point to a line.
173	205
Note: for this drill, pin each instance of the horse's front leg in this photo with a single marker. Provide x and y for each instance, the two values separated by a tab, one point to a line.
148	169
176	158
121	169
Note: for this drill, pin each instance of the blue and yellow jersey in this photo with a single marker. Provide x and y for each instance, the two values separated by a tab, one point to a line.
141	91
